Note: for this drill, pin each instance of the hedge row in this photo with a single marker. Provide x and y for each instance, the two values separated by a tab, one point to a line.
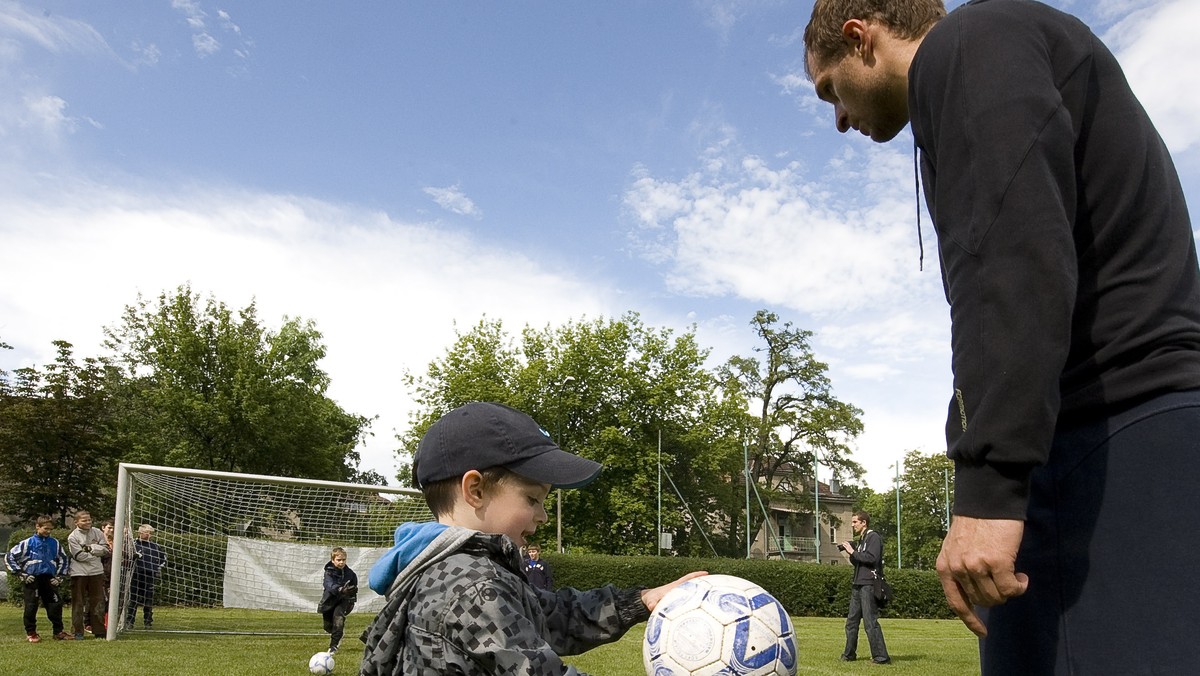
804	589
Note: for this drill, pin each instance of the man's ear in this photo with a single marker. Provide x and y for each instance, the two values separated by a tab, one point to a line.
858	37
471	487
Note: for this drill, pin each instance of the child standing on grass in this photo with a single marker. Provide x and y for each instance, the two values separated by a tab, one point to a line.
341	591
41	564
457	601
88	547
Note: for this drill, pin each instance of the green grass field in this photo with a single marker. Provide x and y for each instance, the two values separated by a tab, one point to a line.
925	647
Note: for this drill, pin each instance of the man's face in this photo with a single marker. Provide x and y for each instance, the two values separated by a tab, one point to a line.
862	98
108	531
858	525
515	507
83	521
339	560
44	529
145	534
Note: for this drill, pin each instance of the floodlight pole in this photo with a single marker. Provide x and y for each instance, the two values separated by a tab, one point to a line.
746	473
816	509
946	488
558	496
658	531
899	560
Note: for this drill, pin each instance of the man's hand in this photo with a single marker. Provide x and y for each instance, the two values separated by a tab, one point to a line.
977	566
55	581
29	579
651	597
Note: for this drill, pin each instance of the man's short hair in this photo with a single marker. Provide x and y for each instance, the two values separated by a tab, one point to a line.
335	551
906	19
43	521
863	516
145	528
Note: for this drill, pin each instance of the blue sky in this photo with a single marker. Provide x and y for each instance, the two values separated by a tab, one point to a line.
392	169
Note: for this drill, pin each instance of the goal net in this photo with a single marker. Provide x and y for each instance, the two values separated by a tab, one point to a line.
207	539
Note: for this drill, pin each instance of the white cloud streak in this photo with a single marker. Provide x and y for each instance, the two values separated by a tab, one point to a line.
385	294
1165	78
454	200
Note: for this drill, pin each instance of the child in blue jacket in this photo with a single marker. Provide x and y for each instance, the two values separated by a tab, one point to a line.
42	565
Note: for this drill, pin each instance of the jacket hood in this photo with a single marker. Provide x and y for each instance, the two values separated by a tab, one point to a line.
411	540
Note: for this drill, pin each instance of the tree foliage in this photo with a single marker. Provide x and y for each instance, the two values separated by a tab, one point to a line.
607	389
56	451
926	484
604	389
795	415
211	388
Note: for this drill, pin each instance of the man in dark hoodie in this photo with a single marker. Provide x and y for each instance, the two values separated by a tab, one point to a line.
1070	267
457	602
338	598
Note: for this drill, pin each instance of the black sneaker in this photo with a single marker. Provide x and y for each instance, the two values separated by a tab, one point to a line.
333	650
886	660
848	658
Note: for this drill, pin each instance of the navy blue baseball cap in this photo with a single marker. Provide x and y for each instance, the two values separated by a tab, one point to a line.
481	434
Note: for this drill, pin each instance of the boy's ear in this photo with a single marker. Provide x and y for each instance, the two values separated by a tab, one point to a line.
471	488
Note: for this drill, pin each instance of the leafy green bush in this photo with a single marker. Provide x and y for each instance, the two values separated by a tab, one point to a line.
804	589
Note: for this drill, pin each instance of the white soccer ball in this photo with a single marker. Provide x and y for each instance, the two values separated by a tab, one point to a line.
719	624
321	663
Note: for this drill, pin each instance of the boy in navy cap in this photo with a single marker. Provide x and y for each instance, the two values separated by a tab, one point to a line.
457	601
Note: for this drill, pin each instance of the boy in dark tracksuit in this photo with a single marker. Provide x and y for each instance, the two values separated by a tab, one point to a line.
41	563
341	591
457	601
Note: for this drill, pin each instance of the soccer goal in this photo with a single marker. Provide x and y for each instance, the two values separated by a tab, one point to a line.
204	539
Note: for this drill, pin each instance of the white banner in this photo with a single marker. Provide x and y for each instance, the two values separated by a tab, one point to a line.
267	575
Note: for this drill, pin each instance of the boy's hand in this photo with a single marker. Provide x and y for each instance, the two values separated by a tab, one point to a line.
651	597
55	581
29	579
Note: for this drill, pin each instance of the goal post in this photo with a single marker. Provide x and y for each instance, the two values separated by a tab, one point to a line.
228	540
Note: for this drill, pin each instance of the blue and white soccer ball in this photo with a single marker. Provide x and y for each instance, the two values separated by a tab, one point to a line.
719	624
321	663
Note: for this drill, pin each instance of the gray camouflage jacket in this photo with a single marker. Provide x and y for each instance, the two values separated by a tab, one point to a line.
462	606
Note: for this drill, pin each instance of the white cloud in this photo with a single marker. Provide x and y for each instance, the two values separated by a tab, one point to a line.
205	44
385	294
49	31
453	199
1165	78
767	234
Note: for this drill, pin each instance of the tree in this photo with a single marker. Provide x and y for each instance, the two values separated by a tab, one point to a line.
604	389
797	418
925	486
211	388
56	452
